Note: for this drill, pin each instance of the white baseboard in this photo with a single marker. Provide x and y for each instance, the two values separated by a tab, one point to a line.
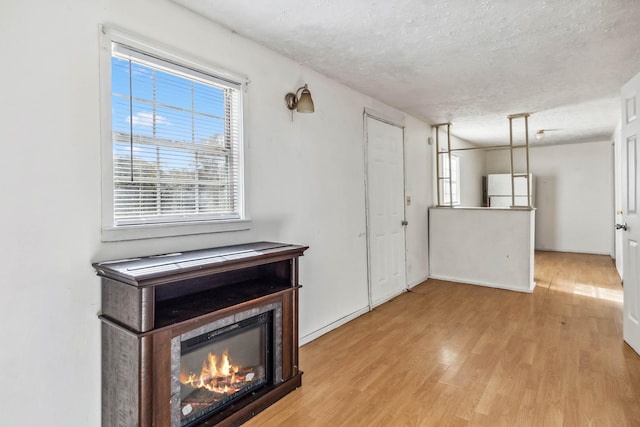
388	298
532	285
576	251
417	282
331	326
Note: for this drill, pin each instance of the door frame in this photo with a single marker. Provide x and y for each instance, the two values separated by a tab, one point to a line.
399	123
618	238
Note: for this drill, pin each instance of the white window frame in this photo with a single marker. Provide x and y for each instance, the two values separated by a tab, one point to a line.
111	232
454	180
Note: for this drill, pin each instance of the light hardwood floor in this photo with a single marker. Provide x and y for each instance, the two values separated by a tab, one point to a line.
447	354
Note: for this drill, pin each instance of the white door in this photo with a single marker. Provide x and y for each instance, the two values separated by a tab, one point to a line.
385	210
631	216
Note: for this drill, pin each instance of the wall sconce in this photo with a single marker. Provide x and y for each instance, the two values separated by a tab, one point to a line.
540	135
302	104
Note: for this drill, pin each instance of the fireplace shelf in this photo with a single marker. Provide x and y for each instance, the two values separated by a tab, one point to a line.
152	305
191	306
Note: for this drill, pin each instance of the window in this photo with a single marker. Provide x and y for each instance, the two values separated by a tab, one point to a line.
450	194
176	146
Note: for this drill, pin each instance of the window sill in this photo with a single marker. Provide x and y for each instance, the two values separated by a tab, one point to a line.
138	232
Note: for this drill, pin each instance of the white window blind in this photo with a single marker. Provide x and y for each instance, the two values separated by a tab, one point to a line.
176	135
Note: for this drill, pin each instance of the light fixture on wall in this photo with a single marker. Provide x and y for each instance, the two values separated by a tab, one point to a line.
303	103
540	135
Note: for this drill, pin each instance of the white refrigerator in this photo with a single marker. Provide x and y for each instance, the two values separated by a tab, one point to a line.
499	190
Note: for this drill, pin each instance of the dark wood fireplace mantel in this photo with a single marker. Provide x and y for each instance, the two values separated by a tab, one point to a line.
148	303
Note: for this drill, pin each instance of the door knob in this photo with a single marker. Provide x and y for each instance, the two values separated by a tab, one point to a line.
405	222
622	226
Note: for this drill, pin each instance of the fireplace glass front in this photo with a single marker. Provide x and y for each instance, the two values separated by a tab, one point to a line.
221	366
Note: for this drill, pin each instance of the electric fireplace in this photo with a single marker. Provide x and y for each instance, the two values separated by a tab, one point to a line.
199	338
222	365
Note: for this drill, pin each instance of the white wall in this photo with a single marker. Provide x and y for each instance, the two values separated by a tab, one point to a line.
418	178
472	168
574	195
484	246
306	186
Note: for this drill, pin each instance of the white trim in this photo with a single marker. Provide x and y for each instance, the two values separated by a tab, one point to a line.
109	34
397	120
532	285
369	113
388	298
575	251
331	326
106	148
365	131
147	231
417	282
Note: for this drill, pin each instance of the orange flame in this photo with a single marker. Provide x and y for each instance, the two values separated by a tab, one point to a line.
214	376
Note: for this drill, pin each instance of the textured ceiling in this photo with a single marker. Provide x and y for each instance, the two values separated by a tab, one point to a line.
472	63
